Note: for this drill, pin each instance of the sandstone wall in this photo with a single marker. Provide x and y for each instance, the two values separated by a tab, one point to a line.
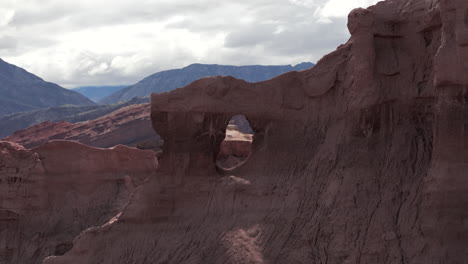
361	159
50	194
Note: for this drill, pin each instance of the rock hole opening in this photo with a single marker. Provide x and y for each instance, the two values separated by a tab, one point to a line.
236	147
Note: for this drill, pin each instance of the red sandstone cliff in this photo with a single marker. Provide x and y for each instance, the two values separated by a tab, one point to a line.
361	159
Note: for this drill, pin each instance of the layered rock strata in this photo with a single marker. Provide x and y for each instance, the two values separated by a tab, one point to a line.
130	126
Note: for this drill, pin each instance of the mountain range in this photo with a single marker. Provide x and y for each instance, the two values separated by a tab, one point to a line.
33	101
165	81
22	91
97	93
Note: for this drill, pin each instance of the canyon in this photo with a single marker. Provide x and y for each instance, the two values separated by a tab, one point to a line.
360	159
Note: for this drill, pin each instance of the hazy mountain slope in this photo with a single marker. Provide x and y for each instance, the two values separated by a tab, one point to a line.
97	93
22	91
169	80
72	114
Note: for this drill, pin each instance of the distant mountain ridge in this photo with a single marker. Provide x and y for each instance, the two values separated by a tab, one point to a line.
23	91
159	82
97	93
171	79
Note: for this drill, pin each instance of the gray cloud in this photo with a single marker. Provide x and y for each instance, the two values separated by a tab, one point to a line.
106	42
291	40
102	69
7	43
81	14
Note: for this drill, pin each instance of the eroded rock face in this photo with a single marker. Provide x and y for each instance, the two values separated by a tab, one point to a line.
49	194
361	159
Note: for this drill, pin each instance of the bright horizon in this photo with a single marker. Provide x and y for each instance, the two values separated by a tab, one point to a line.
104	42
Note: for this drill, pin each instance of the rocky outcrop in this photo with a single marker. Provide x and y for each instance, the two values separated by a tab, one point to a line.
49	194
22	91
127	126
361	159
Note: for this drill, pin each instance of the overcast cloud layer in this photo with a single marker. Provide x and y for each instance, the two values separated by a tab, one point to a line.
110	42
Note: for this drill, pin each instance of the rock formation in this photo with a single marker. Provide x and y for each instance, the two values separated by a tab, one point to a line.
51	193
361	159
129	126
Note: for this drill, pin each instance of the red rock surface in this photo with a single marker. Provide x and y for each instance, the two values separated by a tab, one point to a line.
361	159
49	194
127	126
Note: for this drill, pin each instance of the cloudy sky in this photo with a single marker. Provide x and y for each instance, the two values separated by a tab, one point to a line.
110	42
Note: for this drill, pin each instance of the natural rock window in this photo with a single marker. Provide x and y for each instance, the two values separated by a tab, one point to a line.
237	144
